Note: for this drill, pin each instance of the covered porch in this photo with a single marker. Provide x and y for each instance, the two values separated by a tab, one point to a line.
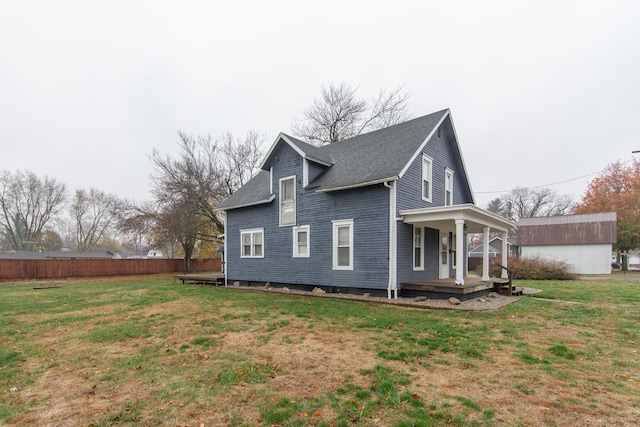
460	220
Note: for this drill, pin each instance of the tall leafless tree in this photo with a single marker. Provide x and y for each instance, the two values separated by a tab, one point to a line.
27	204
340	114
523	202
93	213
186	189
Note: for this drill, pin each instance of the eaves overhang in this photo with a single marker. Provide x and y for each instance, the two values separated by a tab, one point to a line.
443	218
245	205
358	185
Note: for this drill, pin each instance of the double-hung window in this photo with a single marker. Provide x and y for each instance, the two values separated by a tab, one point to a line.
288	201
343	245
301	241
252	242
448	187
418	244
427	167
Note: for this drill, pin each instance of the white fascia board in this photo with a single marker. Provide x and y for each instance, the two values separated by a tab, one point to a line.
466	211
275	144
363	184
295	148
258	202
318	161
419	150
464	167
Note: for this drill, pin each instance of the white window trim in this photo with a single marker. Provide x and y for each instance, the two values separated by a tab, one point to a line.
413	244
448	172
295	241
336	225
293	177
251	232
429	160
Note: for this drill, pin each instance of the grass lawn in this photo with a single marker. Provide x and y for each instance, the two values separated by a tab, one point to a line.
145	352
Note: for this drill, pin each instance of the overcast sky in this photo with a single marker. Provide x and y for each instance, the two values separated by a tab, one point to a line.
540	92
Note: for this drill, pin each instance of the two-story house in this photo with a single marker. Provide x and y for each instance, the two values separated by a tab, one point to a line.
360	215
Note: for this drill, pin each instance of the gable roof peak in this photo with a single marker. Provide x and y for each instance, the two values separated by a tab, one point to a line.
305	150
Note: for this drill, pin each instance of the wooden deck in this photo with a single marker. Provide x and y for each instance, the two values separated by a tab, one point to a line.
445	288
215	279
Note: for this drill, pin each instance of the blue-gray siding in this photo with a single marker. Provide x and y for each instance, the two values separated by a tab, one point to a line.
442	149
315	170
367	207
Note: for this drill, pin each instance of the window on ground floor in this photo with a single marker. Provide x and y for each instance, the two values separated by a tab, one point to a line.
252	242
301	240
343	245
418	244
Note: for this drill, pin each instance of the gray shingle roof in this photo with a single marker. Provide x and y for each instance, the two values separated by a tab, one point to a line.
311	151
376	156
254	192
363	160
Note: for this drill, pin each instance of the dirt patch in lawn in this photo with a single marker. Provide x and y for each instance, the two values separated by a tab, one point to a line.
189	365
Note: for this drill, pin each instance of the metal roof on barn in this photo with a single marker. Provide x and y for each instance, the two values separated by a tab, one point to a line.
584	229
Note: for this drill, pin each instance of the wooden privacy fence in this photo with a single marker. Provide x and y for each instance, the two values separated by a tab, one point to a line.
16	269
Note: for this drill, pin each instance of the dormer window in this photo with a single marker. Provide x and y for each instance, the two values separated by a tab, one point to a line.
288	201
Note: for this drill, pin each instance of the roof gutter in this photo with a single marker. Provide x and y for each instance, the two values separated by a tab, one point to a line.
363	184
259	202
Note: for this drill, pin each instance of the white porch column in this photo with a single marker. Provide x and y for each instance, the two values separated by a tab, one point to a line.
505	254
460	266
485	254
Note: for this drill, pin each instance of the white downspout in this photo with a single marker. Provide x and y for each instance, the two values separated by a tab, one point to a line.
224	248
392	288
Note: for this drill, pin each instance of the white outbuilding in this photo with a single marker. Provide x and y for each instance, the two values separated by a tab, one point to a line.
585	242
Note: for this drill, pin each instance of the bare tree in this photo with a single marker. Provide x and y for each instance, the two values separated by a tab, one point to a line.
186	190
523	202
93	213
239	160
27	205
339	114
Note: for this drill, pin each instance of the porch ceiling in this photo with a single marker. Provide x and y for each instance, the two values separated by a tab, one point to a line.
443	218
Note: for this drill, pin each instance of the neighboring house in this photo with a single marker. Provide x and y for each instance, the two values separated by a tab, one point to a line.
495	251
360	215
583	241
495	248
633	258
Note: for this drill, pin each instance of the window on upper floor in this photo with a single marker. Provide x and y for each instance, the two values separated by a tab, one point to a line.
448	187
288	201
252	242
343	245
301	240
427	167
418	244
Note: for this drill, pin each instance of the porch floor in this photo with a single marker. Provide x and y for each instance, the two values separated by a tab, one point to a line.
444	288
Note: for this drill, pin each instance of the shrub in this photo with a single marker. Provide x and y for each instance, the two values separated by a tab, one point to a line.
533	269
